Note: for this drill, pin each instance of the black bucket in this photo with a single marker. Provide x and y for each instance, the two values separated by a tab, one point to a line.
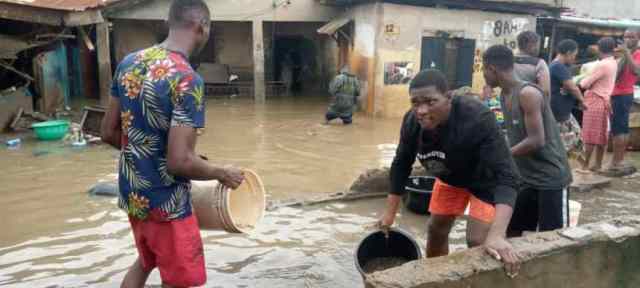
400	244
418	196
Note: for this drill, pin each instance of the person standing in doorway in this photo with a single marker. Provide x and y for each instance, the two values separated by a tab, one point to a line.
344	90
622	96
156	106
536	147
565	96
595	120
528	66
456	139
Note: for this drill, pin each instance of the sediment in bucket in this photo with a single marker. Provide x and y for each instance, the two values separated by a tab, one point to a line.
386	253
220	208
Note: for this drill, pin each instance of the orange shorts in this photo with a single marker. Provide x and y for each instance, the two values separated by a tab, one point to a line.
452	201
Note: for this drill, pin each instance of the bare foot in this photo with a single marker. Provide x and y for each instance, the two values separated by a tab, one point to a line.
583	171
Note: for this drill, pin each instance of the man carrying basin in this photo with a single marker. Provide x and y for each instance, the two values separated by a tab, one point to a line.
157	105
457	140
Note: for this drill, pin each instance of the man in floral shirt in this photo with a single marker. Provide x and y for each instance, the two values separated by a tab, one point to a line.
157	105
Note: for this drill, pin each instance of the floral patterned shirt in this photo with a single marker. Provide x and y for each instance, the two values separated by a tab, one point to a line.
157	89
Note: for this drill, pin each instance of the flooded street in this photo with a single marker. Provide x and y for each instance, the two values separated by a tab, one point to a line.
56	235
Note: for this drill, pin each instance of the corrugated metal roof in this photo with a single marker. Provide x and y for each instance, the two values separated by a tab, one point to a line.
65	5
609	23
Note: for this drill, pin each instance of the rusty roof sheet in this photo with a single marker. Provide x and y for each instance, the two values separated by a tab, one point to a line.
65	5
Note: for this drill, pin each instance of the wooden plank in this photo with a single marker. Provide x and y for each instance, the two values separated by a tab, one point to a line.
104	61
87	17
31	14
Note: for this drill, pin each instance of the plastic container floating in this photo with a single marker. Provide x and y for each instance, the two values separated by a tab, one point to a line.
385	253
14	142
574	212
418	196
217	207
51	130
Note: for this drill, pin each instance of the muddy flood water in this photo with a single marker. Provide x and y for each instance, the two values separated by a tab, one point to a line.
55	235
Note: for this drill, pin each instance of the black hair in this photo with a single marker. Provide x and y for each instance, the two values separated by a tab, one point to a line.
430	77
527	38
500	56
186	12
606	45
567	46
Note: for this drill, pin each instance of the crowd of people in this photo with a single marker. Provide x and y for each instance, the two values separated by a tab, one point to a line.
519	183
511	185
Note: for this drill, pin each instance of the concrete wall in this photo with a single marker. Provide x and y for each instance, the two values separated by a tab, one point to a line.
132	35
413	23
605	254
619	9
362	57
232	42
241	10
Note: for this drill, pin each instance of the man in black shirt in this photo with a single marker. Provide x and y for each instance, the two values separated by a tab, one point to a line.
457	140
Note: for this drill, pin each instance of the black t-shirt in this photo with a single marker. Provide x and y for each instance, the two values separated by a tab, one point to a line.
562	102
469	151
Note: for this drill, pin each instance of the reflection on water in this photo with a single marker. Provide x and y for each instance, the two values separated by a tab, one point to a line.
56	236
292	247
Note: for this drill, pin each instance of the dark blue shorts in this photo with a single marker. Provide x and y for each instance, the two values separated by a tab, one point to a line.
621	105
345	119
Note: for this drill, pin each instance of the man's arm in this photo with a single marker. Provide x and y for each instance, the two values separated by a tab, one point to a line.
335	85
597	73
494	153
531	101
183	161
572	88
401	167
497	245
187	116
111	128
544	78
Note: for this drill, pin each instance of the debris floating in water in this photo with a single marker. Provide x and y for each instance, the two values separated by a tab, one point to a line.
383	263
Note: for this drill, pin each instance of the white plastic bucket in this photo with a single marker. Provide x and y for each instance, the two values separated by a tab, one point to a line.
574	213
220	208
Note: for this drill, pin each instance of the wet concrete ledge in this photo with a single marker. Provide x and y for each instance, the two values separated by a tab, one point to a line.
603	254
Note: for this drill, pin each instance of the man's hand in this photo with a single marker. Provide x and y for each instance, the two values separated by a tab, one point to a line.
232	177
385	223
501	250
389	216
582	106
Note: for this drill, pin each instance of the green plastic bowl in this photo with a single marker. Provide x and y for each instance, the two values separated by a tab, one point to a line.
51	130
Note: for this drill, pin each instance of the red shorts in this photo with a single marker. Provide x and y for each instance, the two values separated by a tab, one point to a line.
452	201
175	247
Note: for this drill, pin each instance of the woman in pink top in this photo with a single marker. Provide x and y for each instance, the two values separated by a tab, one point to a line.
595	119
